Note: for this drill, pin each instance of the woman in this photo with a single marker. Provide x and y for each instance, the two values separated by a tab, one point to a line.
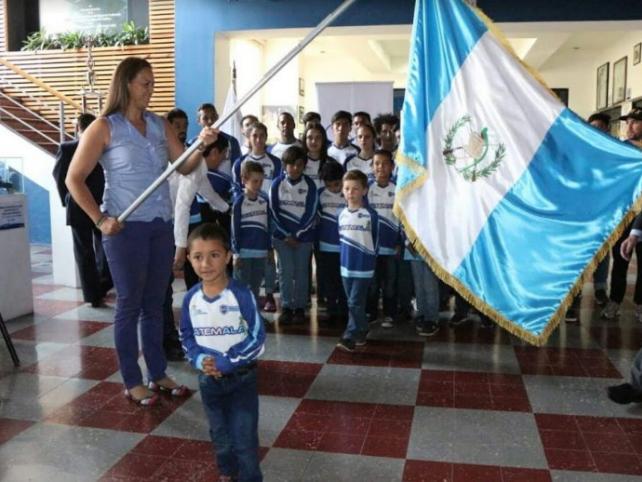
316	148
133	146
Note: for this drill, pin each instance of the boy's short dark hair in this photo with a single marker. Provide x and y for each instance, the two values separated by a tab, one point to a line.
207	232
249	116
362	114
250	167
287	114
259	125
342	115
600	116
311	116
207	106
293	154
384	152
356	175
382	119
83	120
221	144
176	114
331	171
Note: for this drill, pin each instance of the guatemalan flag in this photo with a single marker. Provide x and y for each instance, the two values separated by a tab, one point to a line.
508	195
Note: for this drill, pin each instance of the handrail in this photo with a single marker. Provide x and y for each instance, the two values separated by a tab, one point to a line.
24	93
32	112
15	117
40	84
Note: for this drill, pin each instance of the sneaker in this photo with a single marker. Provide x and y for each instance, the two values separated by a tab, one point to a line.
361	341
457	319
387	322
601	298
299	316
286	317
611	311
624	394
346	344
572	316
270	305
428	328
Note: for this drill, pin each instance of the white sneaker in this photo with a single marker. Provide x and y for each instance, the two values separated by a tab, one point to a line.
387	322
611	311
638	313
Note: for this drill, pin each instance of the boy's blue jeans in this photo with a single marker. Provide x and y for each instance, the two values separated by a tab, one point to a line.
232	408
426	290
357	294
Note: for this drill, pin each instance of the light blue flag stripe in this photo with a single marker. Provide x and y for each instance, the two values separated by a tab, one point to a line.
443	37
540	237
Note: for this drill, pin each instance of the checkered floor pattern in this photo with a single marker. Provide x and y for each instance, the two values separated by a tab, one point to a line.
470	404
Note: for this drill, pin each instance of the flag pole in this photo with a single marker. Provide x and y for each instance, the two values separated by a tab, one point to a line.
264	80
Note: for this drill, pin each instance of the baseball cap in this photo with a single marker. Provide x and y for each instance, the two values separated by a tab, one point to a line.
635	114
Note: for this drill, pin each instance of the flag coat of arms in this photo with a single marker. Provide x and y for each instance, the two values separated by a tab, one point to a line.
508	195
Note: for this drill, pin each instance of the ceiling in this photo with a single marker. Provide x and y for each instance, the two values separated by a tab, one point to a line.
384	49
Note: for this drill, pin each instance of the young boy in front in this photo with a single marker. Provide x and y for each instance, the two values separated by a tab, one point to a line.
251	242
222	333
293	204
381	197
358	237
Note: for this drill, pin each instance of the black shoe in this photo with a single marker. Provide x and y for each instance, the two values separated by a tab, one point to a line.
458	319
361	341
624	394
572	316
427	328
601	298
346	344
299	316
286	317
174	354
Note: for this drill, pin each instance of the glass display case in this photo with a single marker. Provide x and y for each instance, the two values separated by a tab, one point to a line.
11	178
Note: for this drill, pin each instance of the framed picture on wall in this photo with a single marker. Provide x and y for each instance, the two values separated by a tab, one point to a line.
619	80
637	53
301	87
602	86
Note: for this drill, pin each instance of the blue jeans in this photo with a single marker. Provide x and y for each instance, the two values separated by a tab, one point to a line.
426	290
232	408
251	272
294	280
357	294
140	258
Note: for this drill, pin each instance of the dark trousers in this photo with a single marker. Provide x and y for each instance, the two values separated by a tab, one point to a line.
232	408
384	281
619	270
95	279
329	270
170	333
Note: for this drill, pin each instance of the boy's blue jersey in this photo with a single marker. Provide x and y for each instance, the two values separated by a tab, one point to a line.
228	327
358	234
382	200
293	205
251	226
221	183
271	170
195	211
330	205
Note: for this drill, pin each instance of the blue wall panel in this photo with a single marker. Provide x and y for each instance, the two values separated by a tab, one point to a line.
38	212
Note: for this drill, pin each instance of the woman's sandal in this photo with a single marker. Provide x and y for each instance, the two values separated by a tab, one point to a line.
143	402
178	391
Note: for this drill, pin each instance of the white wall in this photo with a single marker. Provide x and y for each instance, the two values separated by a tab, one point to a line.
37	164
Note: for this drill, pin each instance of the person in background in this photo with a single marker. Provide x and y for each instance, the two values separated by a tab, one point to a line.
310	118
286	139
385	126
246	122
177	118
95	279
341	148
363	160
358	119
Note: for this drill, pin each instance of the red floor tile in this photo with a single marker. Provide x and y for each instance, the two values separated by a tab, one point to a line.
476	473
76	361
426	471
609	462
38	289
61	331
472	333
51	308
381	353
386	446
562	459
423	471
286	379
574	362
10	428
510	474
610	336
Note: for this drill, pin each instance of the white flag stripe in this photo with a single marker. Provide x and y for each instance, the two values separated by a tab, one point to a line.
518	112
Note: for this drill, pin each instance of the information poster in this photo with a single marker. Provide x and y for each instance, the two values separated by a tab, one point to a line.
87	16
11	212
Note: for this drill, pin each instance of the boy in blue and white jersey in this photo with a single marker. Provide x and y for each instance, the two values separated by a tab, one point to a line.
271	170
251	243
270	163
358	237
222	333
331	202
341	148
381	198
293	204
286	139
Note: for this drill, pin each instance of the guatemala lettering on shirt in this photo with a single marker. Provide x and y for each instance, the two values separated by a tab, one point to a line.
382	200
330	204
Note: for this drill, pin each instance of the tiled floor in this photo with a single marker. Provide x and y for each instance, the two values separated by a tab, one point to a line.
469	404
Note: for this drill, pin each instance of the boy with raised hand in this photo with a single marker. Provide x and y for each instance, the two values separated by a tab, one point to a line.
251	241
341	148
358	237
293	205
286	139
222	333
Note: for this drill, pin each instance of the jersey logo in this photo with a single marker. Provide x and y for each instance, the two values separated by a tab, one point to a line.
225	309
